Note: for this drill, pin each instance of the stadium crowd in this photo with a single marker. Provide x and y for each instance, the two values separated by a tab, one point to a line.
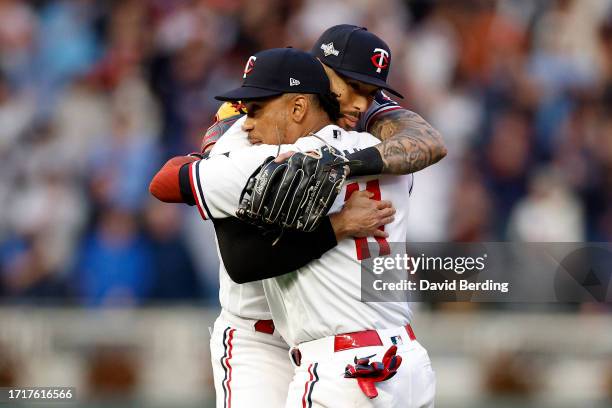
95	95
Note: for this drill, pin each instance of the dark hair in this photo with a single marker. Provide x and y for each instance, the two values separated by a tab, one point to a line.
329	102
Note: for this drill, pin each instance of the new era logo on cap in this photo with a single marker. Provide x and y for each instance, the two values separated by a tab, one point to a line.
293	82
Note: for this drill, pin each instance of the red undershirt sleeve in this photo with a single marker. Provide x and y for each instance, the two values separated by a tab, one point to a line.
166	185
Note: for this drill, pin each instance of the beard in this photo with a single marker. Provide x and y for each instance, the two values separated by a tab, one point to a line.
349	120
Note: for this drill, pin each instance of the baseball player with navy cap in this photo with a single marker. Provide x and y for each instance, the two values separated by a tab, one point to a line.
357	63
355	53
347	353
248	355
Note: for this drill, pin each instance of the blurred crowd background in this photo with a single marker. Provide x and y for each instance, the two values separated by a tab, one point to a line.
96	95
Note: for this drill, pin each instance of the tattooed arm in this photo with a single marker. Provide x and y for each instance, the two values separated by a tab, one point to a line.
409	143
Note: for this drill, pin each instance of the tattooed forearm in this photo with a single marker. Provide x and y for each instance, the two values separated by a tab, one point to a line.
409	143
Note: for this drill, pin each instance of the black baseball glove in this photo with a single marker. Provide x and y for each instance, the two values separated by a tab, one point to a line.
296	193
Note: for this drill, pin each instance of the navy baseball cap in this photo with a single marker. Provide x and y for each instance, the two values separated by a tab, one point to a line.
277	71
356	53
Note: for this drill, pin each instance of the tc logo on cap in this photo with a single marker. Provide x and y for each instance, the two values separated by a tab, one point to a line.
249	66
380	59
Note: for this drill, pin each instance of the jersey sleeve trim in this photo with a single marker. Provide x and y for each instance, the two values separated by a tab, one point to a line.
198	191
208	145
383	109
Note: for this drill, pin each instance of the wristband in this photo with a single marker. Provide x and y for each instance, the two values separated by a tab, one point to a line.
366	162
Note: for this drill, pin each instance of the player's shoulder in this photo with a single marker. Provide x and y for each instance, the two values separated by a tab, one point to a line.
346	140
381	98
381	103
233	138
330	133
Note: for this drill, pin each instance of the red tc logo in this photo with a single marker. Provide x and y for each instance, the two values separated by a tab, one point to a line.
249	66
380	59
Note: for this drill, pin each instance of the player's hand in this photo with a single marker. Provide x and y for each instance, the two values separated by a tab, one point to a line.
283	156
226	116
361	217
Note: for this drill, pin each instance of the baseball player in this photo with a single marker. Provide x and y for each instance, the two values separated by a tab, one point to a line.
317	309
248	355
410	144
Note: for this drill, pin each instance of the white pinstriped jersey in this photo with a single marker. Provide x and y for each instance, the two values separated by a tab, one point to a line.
323	297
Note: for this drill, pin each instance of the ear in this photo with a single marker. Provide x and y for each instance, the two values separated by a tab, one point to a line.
299	108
